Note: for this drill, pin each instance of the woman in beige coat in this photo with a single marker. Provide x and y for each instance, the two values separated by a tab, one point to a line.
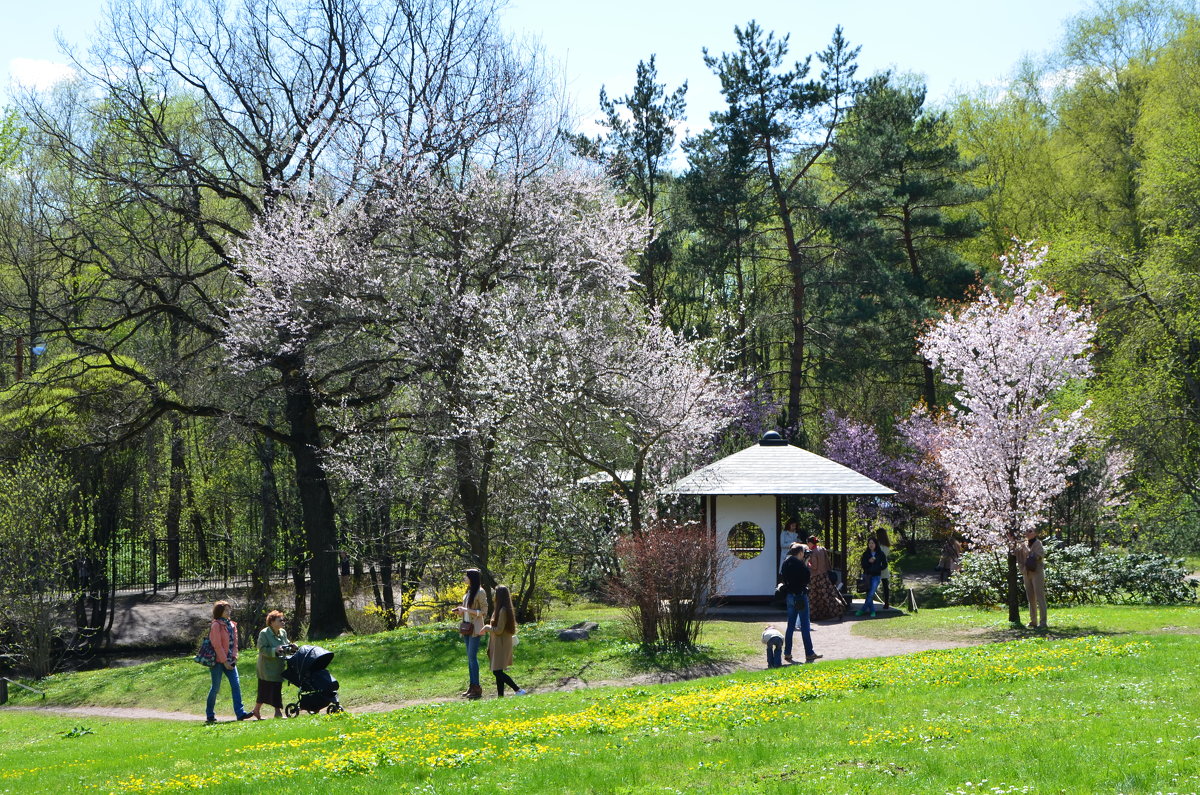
1031	558
503	626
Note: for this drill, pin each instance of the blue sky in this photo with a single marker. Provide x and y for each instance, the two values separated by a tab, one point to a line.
955	44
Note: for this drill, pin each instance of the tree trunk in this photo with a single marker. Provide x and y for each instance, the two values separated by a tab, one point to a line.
929	392
1014	590
472	493
175	498
794	430
300	603
327	615
633	495
261	573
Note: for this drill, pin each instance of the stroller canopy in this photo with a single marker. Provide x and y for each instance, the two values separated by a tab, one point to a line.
305	662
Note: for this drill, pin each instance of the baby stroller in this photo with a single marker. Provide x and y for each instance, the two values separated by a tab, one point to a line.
307	670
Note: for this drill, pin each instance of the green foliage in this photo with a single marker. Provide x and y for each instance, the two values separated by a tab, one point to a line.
1103	167
42	540
71	400
1078	575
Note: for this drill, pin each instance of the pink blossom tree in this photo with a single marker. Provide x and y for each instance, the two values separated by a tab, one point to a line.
1007	449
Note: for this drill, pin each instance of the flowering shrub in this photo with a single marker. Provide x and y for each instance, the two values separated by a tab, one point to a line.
1076	574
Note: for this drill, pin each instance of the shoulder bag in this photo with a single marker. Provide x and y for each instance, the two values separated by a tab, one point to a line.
207	656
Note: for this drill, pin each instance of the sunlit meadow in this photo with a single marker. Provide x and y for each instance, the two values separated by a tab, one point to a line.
1080	715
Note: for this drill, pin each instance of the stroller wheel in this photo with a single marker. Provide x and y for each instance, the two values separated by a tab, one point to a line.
333	709
291	710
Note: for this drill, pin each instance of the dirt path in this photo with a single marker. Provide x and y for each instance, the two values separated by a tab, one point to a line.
832	639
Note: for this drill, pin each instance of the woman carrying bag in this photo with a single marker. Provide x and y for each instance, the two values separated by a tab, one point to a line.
222	634
503	626
873	564
472	613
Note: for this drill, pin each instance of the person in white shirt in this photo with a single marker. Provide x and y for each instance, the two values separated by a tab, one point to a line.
772	638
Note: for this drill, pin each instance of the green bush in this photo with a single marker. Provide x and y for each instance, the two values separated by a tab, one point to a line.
1077	575
979	581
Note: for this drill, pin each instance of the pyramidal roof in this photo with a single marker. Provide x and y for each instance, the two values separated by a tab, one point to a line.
775	467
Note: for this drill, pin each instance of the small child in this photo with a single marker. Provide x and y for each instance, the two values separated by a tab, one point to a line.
773	639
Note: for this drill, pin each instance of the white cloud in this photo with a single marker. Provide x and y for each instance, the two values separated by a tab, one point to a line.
37	73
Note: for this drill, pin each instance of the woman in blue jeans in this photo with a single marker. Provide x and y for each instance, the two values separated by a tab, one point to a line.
222	634
474	608
874	561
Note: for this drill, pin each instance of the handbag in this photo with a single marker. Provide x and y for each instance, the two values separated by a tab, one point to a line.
207	656
466	628
1031	563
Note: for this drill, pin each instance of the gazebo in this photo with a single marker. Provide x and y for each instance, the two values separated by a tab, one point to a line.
745	501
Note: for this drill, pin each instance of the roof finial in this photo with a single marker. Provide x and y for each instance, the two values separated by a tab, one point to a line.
772	439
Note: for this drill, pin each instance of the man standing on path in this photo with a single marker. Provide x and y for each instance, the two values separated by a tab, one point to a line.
795	585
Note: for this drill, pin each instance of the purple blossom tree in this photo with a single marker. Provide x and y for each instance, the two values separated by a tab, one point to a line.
920	480
856	445
1008	441
913	472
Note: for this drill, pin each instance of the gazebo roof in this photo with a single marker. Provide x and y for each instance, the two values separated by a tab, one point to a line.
775	467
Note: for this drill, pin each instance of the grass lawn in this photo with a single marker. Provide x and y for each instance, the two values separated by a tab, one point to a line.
973	624
406	664
1091	714
922	561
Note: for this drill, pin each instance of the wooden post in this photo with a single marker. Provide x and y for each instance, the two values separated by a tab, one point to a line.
154	565
778	531
843	521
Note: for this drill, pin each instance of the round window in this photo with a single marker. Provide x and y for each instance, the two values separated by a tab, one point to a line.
746	540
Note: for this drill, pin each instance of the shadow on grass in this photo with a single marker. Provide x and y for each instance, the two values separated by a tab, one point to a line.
681	663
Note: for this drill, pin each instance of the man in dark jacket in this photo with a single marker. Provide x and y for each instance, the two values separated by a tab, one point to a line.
795	586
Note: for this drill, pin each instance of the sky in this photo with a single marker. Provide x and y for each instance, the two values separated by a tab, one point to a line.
955	44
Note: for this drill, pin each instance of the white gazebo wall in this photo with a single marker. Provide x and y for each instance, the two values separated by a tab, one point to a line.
754	577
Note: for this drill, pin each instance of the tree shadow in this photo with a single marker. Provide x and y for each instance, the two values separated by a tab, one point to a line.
999	634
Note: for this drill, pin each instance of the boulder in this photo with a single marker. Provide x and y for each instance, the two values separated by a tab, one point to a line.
573	634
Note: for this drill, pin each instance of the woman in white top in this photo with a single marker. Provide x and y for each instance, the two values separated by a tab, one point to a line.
787	536
885	578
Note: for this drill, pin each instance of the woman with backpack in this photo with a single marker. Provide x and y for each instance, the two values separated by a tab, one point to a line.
223	636
472	612
503	626
1031	557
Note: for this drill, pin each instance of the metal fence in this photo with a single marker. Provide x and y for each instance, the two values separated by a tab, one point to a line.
195	562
